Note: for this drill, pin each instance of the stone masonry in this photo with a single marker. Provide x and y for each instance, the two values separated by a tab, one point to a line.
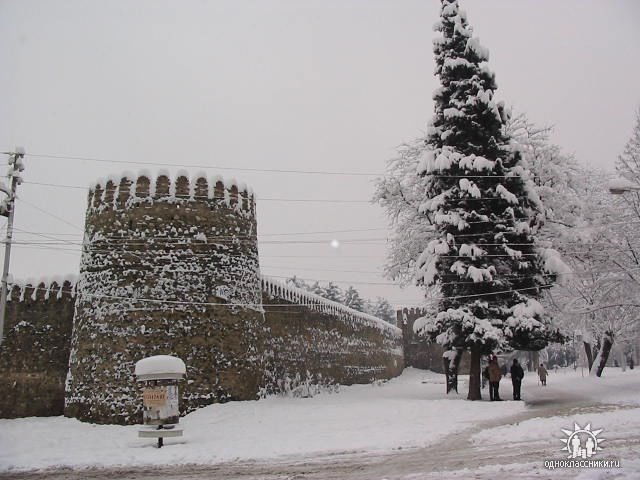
313	340
167	268
34	356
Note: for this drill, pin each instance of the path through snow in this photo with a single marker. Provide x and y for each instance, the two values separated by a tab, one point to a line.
511	442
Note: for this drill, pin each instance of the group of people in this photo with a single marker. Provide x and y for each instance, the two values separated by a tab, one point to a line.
493	373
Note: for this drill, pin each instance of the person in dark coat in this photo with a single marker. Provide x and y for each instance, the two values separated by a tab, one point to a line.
495	374
517	374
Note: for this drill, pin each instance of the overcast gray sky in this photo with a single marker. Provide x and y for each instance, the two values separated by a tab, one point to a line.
308	85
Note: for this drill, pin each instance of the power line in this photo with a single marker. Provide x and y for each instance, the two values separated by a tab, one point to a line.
60	247
133	252
284	267
265	199
253	305
394	284
49	234
271	199
204	167
323	232
265	170
317	232
151	239
58	185
50	214
179	242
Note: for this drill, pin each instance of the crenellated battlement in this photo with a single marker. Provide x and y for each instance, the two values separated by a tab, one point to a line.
42	289
128	189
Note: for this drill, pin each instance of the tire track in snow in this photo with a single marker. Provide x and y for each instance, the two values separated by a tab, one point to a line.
445	459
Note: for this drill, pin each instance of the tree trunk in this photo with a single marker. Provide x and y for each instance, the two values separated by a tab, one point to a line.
451	369
533	361
607	343
474	375
589	352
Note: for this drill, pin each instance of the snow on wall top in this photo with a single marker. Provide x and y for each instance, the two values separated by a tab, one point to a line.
42	287
128	189
315	302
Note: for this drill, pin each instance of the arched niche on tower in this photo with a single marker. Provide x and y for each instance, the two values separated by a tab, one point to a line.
142	187
162	186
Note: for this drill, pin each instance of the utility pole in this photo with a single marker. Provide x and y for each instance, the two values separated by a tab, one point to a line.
7	209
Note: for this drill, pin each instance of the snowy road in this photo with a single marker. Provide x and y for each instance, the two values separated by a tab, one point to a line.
448	459
511	446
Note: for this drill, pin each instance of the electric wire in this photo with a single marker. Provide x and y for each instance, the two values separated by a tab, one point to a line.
273	199
52	215
251	169
198	166
259	305
350	281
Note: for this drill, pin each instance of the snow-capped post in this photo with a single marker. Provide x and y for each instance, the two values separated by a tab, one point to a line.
161	408
7	209
486	212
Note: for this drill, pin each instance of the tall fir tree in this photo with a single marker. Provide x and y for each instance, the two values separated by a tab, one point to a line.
317	289
485	211
297	282
333	292
384	310
352	299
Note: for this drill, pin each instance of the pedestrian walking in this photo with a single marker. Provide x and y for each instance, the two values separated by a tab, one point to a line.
495	374
517	374
542	373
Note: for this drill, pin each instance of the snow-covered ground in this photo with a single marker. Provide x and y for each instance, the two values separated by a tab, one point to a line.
407	413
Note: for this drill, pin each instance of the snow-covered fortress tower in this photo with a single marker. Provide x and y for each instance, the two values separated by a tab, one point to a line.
169	266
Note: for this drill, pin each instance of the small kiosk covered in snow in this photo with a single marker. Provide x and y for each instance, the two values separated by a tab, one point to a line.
161	413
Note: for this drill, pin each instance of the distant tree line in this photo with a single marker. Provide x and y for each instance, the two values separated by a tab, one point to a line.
380	307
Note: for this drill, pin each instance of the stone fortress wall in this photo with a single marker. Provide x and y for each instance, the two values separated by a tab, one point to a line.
34	356
316	341
170	266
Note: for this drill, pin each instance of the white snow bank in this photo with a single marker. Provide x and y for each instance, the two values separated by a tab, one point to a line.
409	411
